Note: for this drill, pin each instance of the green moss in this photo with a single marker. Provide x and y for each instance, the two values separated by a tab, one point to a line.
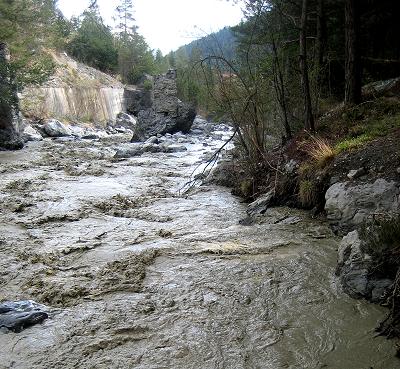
368	131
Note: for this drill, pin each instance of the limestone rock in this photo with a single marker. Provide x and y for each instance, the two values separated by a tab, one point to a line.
354	270
16	316
348	205
167	113
126	121
260	205
31	134
356	173
54	128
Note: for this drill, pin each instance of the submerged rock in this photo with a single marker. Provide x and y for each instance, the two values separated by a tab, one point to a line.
16	316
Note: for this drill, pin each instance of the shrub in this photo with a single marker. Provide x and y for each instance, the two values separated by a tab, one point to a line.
307	193
320	151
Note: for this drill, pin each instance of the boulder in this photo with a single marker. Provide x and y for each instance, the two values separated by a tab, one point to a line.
18	315
389	87
10	140
31	134
260	205
355	270
167	113
349	205
135	149
77	131
54	128
126	121
150	123
138	98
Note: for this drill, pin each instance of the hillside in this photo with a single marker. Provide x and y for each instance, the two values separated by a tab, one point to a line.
75	92
222	42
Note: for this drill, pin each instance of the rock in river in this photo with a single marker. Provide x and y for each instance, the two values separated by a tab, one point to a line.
18	315
54	128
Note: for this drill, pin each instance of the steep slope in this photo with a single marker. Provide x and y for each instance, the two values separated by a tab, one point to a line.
76	93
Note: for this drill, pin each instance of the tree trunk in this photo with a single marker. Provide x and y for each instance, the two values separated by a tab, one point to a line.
321	39
279	87
352	94
305	81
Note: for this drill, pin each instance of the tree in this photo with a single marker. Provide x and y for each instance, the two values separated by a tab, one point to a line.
125	20
308	114
352	55
93	42
134	55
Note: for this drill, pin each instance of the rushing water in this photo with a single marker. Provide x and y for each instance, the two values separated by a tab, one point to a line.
136	276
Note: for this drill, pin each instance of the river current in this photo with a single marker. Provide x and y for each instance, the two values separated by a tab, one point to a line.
137	275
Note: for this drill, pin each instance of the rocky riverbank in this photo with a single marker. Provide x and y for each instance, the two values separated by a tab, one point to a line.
357	190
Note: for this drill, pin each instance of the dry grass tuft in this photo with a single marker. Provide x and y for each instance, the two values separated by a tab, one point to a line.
320	151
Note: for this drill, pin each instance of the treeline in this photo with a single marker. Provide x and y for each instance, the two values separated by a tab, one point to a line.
32	27
293	59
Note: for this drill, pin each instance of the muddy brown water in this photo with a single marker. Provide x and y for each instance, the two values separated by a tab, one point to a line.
136	276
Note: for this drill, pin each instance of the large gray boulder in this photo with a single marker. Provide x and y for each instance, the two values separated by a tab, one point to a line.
54	128
349	205
137	99
355	270
150	123
31	134
126	121
167	113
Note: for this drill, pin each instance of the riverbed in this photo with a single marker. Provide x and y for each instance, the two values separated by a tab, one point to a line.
136	274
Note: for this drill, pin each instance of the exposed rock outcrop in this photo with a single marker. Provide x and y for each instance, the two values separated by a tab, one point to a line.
76	92
349	205
167	113
356	272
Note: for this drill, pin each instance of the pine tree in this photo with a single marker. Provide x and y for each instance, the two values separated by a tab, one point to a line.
134	56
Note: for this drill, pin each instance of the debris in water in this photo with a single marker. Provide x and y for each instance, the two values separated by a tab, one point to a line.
19	315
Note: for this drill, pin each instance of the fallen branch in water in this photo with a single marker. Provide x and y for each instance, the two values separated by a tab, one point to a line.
188	186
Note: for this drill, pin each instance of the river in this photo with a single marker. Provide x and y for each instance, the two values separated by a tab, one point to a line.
137	276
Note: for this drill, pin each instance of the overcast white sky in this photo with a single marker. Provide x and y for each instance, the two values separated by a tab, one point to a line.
168	24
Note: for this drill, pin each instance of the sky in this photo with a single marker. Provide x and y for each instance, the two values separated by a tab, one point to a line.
167	24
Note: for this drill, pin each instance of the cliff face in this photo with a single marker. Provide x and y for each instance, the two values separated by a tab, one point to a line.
77	93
